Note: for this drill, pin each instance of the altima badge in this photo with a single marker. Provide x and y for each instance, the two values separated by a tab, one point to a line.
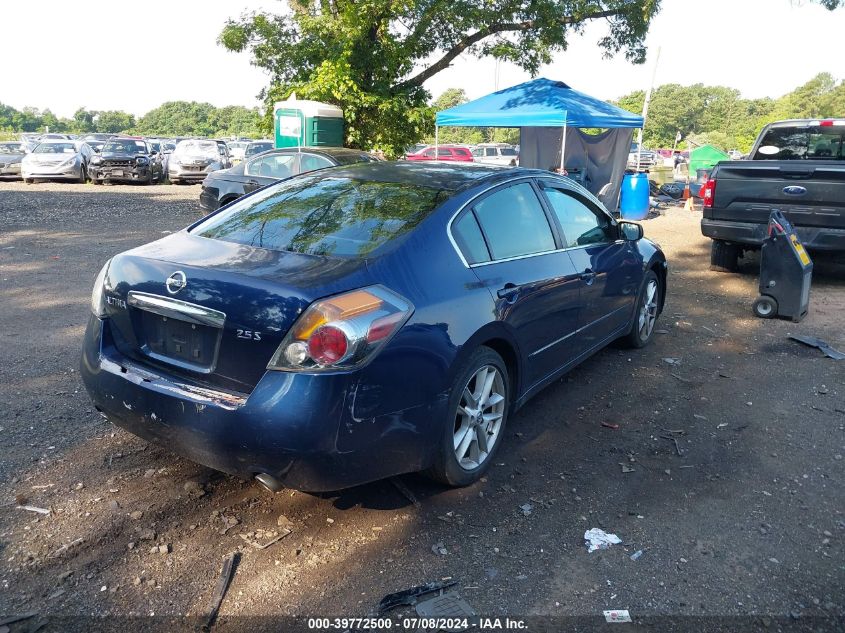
176	282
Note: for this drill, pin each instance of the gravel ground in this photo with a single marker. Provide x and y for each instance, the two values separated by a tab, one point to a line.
726	468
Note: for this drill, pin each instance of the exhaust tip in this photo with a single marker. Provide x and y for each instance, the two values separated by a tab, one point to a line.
269	482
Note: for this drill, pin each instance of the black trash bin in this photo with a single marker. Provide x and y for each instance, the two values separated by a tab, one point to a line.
786	271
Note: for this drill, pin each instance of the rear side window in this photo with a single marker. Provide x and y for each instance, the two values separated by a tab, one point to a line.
469	239
335	216
816	142
514	223
580	224
461	151
310	162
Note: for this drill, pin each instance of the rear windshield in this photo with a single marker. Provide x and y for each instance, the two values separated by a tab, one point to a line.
507	151
11	148
256	148
55	148
817	142
319	215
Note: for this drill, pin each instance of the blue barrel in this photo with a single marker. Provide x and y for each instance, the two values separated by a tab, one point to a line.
634	199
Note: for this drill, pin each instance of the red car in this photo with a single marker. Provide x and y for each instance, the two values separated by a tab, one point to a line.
444	152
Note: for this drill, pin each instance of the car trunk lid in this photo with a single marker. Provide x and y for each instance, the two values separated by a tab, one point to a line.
212	311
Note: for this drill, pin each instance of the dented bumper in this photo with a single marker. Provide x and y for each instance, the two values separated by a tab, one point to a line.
300	428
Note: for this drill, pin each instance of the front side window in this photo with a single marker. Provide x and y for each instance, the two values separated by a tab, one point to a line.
318	215
514	223
580	224
490	151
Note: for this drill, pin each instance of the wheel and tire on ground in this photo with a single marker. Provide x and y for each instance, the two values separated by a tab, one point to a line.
83	177
765	307
475	423
724	256
648	309
28	181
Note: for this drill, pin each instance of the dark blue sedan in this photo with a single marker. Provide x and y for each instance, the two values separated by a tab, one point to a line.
364	321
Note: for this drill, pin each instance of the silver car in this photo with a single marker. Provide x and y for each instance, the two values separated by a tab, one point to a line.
11	155
193	159
57	159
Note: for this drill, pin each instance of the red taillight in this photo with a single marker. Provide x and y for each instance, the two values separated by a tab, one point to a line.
383	327
327	345
826	123
708	192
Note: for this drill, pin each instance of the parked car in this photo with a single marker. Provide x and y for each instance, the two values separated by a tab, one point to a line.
11	155
442	153
647	158
354	323
226	185
57	159
127	159
96	146
495	154
237	150
194	159
796	166
256	147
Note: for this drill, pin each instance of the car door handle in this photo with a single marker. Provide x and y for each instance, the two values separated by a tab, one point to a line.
588	276
509	293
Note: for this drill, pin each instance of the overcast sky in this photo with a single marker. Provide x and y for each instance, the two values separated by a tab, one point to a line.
111	56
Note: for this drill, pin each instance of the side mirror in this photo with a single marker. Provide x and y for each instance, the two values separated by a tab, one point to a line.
153	153
630	231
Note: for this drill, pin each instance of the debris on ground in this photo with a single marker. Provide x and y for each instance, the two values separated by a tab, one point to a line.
272	535
410	597
66	547
194	488
617	615
626	468
825	349
526	508
599	539
439	548
230	563
445	605
636	554
609	425
34	509
672	361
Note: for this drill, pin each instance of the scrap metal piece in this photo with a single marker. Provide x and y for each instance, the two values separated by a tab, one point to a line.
226	574
447	605
813	341
410	597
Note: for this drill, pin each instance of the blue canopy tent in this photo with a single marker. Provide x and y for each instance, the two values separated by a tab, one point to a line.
549	114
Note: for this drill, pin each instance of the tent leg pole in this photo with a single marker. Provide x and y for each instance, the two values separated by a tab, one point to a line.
436	143
563	147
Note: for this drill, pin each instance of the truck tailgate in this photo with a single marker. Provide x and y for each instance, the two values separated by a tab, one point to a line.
809	193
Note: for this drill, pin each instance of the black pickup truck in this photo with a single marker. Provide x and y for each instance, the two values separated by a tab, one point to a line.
795	166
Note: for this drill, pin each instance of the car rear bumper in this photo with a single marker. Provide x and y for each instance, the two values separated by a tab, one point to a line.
752	234
297	427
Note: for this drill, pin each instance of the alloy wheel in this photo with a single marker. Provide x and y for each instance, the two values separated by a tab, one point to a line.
478	419
648	310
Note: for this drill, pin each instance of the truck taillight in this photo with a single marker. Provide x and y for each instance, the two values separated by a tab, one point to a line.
708	192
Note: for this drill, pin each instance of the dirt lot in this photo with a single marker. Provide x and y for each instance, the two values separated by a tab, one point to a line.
746	520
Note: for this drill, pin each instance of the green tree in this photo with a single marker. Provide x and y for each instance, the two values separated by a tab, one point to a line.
83	121
372	58
113	121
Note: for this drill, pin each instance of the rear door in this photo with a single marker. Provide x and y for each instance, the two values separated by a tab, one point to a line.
509	240
610	269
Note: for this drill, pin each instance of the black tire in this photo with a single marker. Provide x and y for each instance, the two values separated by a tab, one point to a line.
765	307
83	177
639	336
724	257
96	181
28	181
446	468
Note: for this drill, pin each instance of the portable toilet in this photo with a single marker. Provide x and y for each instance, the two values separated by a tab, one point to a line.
303	123
704	157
